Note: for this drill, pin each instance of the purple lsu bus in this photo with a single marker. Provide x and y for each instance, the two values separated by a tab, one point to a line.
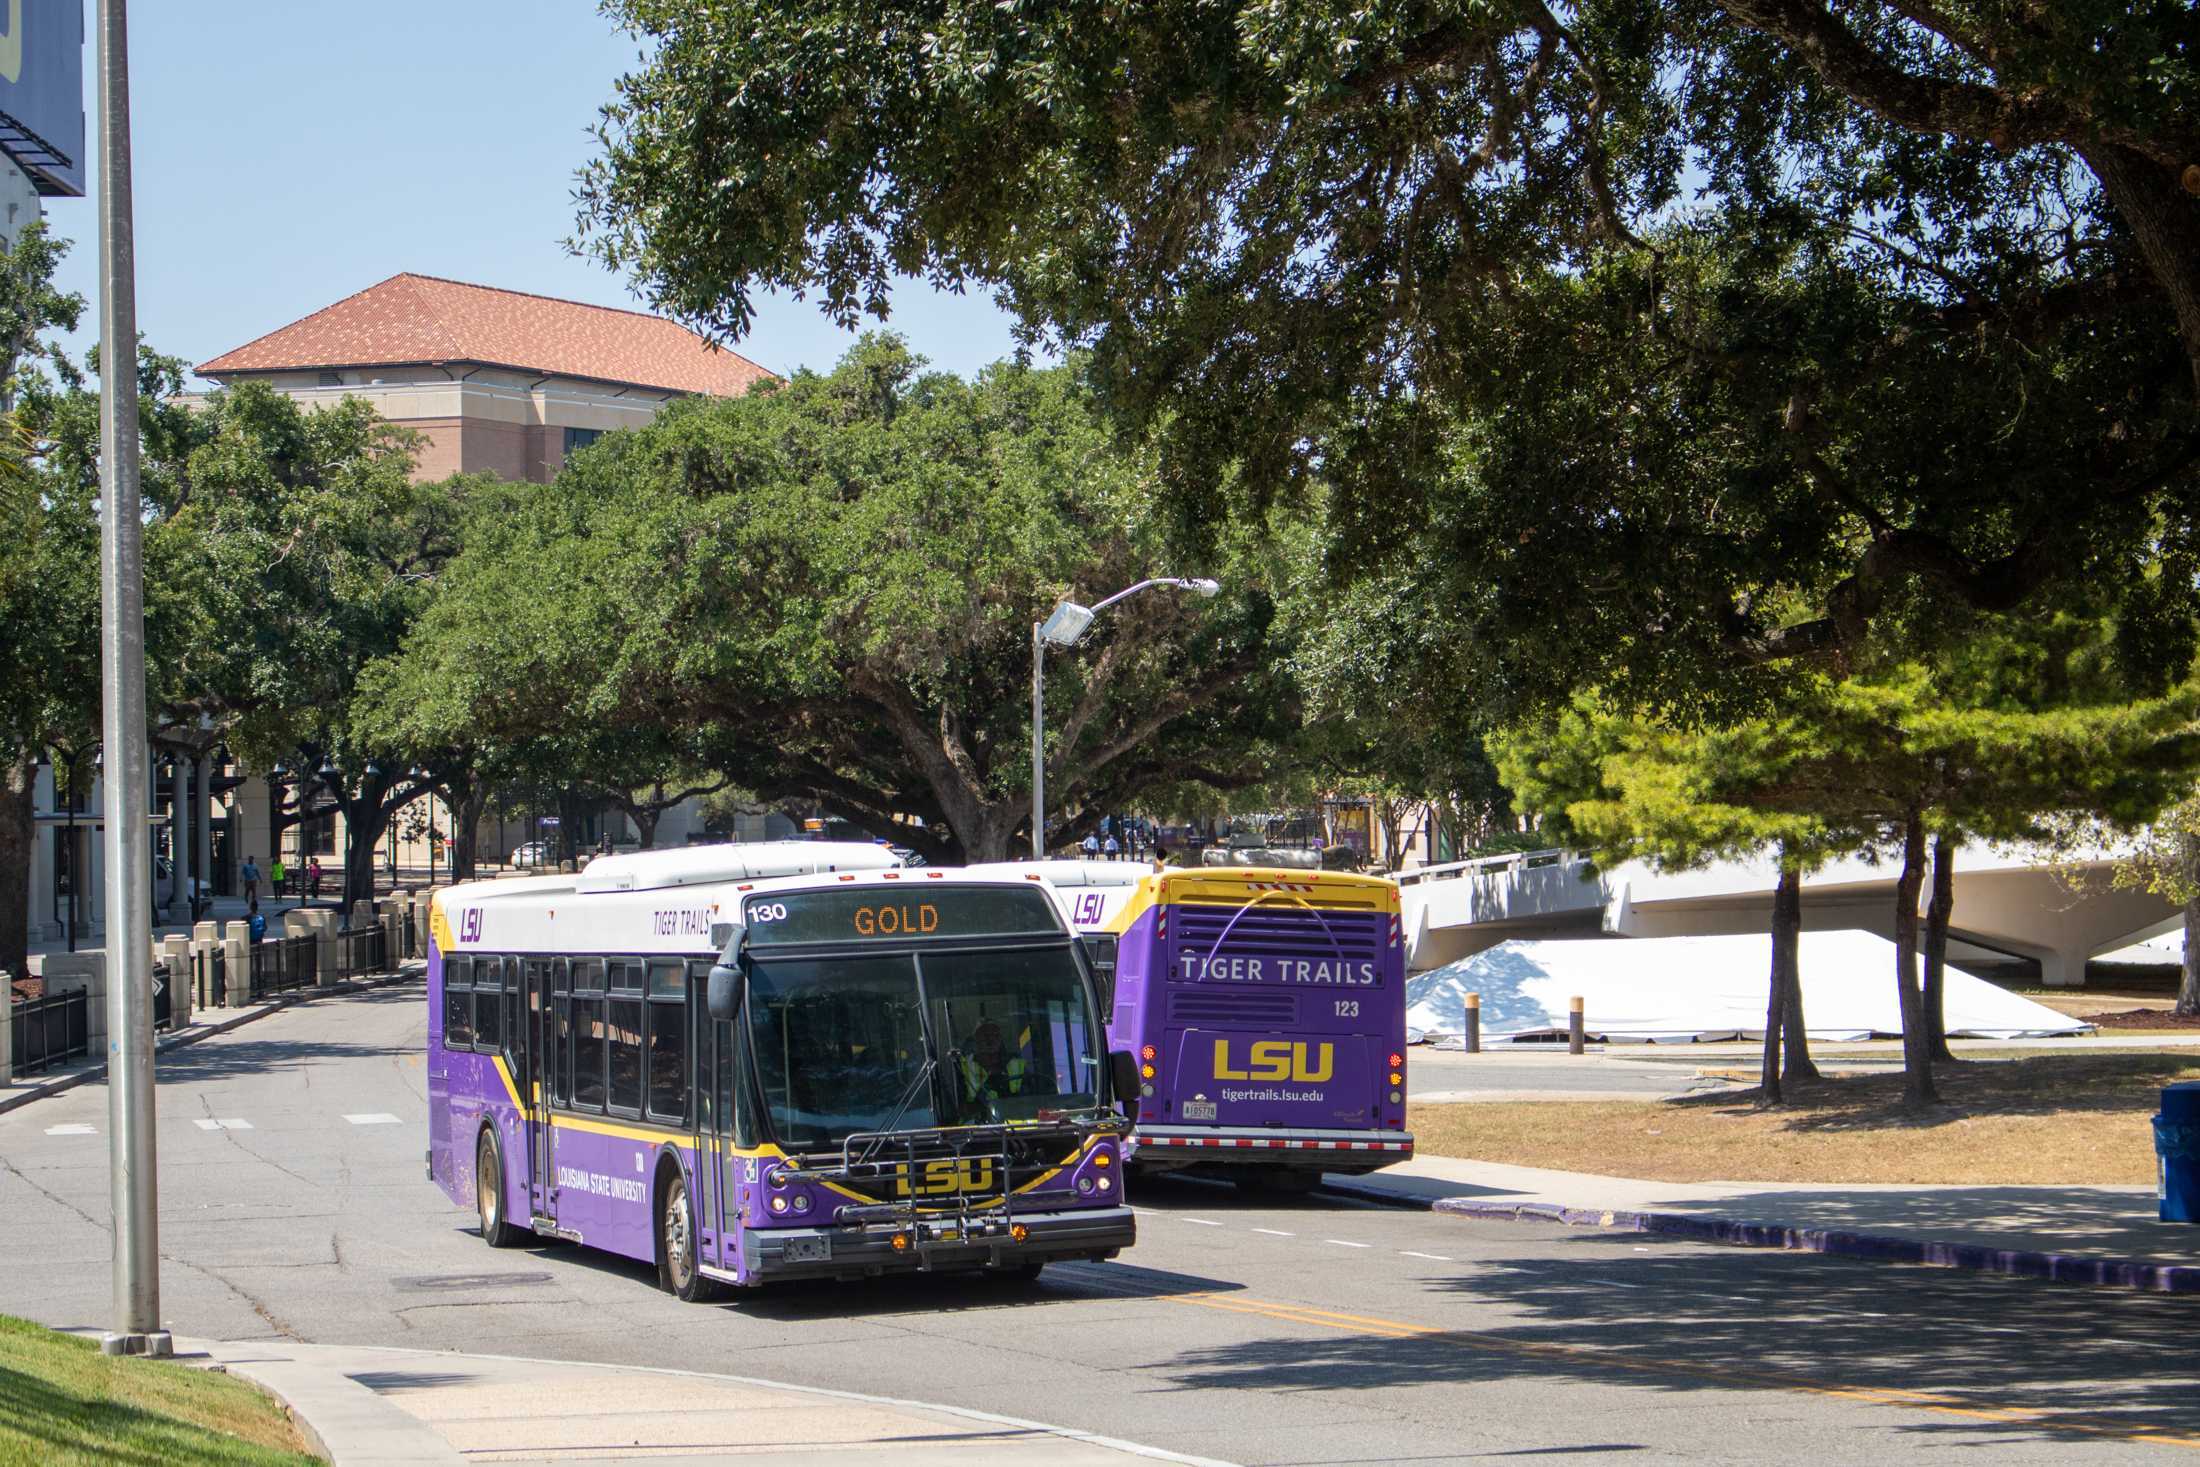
1266	1009
838	1074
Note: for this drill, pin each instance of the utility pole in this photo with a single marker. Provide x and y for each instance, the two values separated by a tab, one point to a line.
133	1178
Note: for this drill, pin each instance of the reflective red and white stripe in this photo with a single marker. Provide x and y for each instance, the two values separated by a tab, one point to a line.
1279	885
1393	929
1262	1143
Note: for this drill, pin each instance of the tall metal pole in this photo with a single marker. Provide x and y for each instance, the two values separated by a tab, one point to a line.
131	1166
1038	745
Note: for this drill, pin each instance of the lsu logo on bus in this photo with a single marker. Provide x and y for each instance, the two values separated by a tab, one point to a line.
946	1176
1277	1059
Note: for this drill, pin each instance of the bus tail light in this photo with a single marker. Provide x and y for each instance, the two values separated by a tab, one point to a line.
1397	1061
901	1242
1145	1072
1146	1052
1018	1231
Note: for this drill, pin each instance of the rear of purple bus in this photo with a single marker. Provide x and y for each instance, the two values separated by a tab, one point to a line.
830	1076
1267	1012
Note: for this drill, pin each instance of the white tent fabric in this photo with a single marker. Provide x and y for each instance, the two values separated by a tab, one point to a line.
1676	989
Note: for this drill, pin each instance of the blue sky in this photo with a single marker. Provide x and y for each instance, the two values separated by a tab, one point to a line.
288	154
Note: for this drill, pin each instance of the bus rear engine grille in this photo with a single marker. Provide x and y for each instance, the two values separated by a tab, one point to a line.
1283	934
1234	1006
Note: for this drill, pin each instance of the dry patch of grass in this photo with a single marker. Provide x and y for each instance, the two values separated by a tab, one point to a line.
2061	1119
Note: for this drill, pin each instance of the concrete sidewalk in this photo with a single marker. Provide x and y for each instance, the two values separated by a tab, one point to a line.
2091	1234
384	1406
21	1090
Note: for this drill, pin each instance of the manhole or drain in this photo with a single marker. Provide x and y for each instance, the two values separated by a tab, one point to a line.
473	1281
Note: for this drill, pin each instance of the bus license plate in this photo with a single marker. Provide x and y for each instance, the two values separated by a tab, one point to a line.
1199	1110
809	1250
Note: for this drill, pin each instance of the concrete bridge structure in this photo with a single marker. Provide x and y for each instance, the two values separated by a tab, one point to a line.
2015	911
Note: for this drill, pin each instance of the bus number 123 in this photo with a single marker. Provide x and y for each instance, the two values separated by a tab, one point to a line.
1348	1008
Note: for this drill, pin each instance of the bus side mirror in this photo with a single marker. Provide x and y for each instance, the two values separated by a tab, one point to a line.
1123	1067
724	993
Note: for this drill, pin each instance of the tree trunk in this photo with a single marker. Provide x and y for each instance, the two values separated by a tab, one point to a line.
465	822
2188	990
363	824
1768	1070
1937	912
1787	958
1917	1059
645	819
18	849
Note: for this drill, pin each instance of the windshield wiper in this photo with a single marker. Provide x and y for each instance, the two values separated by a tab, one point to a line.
924	1073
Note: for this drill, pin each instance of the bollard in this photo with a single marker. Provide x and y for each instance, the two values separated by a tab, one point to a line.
1574	1030
1474	1023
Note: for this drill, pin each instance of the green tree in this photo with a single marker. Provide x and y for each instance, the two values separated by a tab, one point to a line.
1858	763
836	580
1639	322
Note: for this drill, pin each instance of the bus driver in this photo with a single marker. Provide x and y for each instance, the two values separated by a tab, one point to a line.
989	1069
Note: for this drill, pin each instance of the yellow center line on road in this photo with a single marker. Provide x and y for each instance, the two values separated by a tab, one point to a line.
1947	1405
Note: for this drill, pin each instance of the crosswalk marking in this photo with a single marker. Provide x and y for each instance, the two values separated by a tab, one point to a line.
72	1130
374	1118
208	1123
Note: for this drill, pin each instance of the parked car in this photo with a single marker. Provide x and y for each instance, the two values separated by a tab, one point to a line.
535	853
202	895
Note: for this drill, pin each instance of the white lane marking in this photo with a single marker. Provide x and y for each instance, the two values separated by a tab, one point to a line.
1341	1243
72	1130
376	1118
1275	1232
205	1123
1205	1222
1431	1257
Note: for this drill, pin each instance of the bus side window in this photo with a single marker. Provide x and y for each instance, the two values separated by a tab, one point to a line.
588	1045
488	1004
667	1080
1100	950
733	1083
626	1036
458	1003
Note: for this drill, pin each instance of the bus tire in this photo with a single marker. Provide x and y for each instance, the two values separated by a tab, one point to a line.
496	1230
677	1269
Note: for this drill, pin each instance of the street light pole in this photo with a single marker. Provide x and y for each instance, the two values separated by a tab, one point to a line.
1064	627
133	1179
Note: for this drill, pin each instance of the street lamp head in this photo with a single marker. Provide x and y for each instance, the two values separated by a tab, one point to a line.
1204	586
1066	626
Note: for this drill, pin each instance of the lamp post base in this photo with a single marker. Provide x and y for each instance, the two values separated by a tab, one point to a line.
155	1344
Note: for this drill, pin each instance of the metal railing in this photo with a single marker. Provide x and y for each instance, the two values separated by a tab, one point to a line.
362	950
209	976
1481	866
48	1031
285	964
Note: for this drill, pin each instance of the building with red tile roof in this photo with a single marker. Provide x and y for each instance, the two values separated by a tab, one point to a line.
494	380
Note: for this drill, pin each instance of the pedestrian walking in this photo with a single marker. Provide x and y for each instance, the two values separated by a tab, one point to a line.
277	873
1113	849
255	922
313	877
1092	847
249	874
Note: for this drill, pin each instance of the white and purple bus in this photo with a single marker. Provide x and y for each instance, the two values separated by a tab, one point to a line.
775	1061
1265	1007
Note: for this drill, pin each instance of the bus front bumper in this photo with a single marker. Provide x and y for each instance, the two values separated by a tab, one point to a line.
1329	1151
937	1242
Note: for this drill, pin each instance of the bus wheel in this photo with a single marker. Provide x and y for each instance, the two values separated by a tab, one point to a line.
676	1267
489	1196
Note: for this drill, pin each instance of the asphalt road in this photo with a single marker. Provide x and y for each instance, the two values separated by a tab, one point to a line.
294	1206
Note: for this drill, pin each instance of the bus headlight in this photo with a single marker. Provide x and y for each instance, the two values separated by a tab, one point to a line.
1084	1185
1106	1185
779	1204
802	1202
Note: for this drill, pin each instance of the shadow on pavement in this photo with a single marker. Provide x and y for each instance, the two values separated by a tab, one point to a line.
218	1061
2046	1363
2113	1222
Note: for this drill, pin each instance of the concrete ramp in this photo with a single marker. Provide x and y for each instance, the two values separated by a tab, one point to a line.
1682	989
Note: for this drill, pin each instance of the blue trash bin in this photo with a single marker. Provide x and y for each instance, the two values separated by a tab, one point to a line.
2177	1149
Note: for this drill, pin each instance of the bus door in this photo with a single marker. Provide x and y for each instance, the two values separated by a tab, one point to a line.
716	1225
531	1073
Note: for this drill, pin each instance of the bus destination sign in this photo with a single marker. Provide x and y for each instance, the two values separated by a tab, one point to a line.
889	914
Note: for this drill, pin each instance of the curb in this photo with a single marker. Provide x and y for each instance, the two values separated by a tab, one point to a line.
198	1032
2062	1268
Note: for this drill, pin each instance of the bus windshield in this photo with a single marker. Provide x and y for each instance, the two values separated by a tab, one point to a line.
1020	1032
839	1043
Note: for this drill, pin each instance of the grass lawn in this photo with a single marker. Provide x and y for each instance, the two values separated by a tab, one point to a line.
63	1401
2060	1119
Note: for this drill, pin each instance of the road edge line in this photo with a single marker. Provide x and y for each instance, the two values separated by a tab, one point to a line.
2061	1268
